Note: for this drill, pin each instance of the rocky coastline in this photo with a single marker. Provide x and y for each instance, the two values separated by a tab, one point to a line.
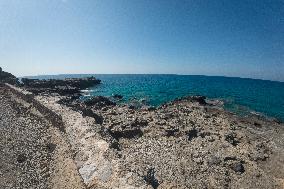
191	142
66	87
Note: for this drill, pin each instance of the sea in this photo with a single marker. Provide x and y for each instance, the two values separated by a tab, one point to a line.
241	96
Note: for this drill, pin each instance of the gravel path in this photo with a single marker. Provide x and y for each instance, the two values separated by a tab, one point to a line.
25	157
34	154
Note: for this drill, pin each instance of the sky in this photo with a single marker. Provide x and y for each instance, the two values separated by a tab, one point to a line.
240	38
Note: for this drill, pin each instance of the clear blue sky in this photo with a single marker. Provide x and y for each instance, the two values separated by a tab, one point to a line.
242	38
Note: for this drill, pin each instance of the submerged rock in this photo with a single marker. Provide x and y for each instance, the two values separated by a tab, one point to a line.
117	96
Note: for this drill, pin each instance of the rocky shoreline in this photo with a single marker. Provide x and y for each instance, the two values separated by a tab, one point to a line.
187	143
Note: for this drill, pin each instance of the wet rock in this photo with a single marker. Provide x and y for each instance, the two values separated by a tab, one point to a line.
199	99
117	96
151	108
99	102
131	107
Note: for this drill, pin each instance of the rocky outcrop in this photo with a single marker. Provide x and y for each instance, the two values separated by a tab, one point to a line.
63	87
199	99
99	102
6	77
187	143
117	96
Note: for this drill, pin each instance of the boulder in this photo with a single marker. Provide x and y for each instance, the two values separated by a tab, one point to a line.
199	99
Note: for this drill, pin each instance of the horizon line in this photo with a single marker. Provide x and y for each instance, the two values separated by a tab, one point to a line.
40	75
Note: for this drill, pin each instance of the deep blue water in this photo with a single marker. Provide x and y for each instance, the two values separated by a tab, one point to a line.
240	95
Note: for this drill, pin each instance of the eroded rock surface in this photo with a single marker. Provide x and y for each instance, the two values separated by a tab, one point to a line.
187	143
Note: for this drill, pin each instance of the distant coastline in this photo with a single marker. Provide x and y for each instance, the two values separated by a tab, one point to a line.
92	74
239	90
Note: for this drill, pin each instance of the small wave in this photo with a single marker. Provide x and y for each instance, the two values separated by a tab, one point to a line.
87	91
256	113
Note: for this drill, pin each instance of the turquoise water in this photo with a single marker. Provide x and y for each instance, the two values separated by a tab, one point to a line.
240	95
